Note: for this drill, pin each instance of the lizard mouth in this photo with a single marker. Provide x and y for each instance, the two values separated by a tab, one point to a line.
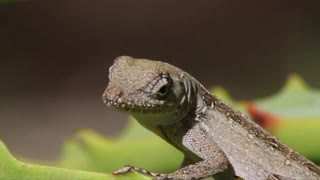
131	106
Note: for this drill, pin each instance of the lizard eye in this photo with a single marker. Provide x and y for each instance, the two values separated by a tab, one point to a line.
163	90
160	86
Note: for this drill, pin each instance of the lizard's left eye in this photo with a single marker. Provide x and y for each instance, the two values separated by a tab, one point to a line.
164	89
160	86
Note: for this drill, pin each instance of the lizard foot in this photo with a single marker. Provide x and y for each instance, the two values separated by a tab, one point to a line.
127	168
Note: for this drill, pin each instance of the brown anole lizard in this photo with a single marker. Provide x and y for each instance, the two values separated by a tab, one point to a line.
212	135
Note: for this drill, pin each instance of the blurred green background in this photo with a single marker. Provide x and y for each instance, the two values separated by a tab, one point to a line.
55	57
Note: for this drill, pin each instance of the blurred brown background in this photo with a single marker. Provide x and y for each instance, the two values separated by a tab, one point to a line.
55	56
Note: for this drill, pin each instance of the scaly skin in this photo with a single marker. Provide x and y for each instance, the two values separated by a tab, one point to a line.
213	136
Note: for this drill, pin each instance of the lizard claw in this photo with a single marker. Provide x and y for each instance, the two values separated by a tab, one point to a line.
127	168
123	170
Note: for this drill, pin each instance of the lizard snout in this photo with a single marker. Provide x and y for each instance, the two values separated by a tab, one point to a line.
111	95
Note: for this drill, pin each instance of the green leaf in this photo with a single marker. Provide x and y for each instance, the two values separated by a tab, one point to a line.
11	168
89	151
295	100
302	135
135	146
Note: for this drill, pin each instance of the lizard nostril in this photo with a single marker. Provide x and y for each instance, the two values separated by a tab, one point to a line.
111	93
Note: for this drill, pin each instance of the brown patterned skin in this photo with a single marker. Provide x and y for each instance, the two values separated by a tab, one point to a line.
213	136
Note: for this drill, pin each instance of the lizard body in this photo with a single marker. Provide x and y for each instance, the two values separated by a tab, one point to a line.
212	135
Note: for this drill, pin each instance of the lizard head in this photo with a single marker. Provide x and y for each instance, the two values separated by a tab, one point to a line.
153	92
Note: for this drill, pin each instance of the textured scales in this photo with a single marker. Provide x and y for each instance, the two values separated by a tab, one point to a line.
213	136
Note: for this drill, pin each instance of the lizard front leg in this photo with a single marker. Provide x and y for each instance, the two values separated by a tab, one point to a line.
198	170
127	168
196	143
